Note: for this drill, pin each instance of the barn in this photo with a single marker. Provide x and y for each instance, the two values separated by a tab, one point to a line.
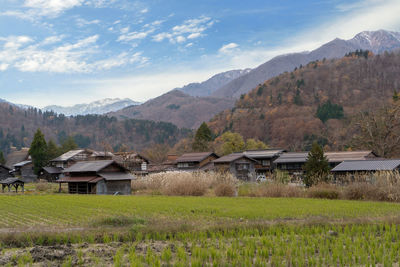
103	177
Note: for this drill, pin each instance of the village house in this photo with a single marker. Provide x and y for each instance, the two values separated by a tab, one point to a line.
265	158
17	156
354	167
292	162
134	162
196	161
103	177
25	171
69	158
335	158
4	172
168	165
240	165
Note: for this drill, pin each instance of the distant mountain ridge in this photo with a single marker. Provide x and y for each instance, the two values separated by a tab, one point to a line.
206	88
375	41
176	107
97	107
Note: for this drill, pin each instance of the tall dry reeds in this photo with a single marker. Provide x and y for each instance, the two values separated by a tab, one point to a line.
182	183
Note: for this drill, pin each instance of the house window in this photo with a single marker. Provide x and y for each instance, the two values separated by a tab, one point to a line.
242	166
265	162
144	166
183	165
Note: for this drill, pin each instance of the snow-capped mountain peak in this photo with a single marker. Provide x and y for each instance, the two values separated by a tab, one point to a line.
97	107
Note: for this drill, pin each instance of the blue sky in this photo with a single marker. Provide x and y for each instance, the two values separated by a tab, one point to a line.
73	51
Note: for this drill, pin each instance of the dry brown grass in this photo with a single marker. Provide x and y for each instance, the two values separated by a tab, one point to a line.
270	190
324	190
182	183
225	190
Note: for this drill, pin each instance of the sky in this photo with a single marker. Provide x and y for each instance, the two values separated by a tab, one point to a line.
64	52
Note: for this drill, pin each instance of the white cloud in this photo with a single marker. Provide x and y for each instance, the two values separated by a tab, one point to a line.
145	10
52	40
3	66
51	8
189	29
228	48
81	56
80	22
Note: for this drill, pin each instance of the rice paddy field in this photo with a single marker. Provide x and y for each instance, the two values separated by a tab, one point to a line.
77	230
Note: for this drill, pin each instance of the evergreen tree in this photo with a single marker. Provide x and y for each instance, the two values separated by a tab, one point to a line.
53	151
329	111
202	138
317	166
395	96
2	158
68	144
297	98
38	151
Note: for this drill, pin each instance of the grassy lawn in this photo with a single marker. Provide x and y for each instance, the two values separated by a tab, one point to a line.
73	230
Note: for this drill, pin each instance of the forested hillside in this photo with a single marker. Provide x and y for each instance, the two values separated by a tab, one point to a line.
317	102
17	127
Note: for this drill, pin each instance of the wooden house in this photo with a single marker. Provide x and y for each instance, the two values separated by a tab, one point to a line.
167	166
17	156
240	165
134	162
103	177
196	161
265	159
69	158
25	171
352	167
51	174
335	158
4	172
292	162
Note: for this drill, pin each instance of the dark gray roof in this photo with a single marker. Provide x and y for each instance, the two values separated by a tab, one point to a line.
89	166
11	181
232	157
341	156
53	170
194	157
116	176
22	163
292	157
367	165
264	153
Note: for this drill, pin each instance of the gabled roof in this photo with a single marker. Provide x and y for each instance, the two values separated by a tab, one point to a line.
89	166
5	167
263	153
102	154
341	156
367	165
22	163
292	157
232	157
68	155
53	170
11	180
195	157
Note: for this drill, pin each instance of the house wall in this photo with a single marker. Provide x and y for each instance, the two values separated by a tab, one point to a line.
4	173
123	187
101	188
207	160
246	175
27	173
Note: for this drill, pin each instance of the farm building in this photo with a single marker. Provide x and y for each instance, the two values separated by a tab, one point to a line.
133	161
335	158
4	172
51	174
12	182
240	165
71	157
365	166
24	170
196	161
265	158
97	177
292	162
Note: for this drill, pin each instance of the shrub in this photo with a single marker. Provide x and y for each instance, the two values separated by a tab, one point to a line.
225	190
43	186
324	191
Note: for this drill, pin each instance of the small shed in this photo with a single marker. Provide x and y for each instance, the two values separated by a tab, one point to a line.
25	170
51	174
97	177
240	165
12	182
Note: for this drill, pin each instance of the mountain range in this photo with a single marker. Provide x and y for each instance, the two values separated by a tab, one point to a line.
97	107
222	90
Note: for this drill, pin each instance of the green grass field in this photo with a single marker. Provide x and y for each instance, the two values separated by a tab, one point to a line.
197	231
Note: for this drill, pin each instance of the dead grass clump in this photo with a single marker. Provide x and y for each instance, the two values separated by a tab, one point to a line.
327	191
43	187
225	190
270	190
359	191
